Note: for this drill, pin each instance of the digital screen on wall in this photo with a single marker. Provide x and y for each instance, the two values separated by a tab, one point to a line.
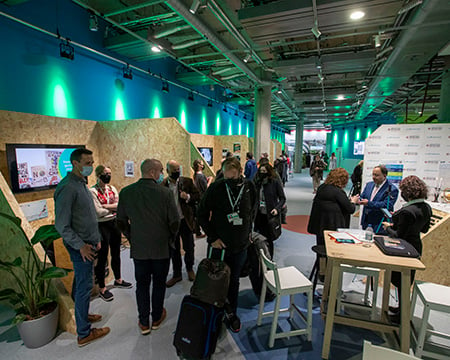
38	167
358	148
207	153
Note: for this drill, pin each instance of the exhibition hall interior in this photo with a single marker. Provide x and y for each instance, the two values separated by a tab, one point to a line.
333	115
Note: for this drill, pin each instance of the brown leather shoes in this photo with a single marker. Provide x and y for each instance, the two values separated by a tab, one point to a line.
173	281
145	330
157	324
191	275
93	318
94	335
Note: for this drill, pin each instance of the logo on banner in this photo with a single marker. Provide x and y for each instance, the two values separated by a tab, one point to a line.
392	145
394	129
435	128
373	153
434	145
412	153
413	137
431	161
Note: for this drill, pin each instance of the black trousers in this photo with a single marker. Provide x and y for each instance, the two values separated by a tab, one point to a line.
262	226
185	234
111	239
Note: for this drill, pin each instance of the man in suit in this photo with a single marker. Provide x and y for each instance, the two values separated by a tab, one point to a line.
186	197
377	194
148	217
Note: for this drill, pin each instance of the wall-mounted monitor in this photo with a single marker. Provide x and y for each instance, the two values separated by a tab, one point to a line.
35	167
207	153
358	148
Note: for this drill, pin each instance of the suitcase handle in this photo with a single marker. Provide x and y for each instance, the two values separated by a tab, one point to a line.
222	254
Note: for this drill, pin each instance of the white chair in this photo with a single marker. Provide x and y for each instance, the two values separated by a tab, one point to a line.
371	273
284	281
434	297
374	352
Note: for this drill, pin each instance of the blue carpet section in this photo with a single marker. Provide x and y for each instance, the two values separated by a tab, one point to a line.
253	340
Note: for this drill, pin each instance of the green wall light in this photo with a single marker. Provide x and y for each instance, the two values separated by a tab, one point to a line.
60	107
218	124
183	121
119	111
358	134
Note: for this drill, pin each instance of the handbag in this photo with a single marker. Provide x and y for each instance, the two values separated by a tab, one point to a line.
274	226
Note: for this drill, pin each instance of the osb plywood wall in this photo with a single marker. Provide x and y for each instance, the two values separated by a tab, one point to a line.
140	139
228	142
38	129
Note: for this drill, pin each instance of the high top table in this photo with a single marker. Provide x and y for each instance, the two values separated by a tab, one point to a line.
366	254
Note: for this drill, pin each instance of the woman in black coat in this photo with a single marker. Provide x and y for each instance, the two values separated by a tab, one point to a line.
409	221
270	200
331	207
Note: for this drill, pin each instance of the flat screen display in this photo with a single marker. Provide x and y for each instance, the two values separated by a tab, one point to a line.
38	167
358	148
207	153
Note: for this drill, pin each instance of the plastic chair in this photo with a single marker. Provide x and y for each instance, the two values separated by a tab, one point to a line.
434	297
284	281
374	352
372	276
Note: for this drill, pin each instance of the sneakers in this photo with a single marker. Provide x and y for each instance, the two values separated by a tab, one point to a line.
191	275
173	281
123	285
106	295
233	322
95	334
93	318
157	324
145	329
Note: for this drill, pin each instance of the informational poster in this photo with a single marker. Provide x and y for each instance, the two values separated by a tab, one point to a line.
395	173
129	168
224	153
237	150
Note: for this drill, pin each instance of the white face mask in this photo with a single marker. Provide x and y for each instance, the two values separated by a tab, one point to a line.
87	170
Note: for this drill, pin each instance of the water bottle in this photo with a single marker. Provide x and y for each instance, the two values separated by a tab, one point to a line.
369	233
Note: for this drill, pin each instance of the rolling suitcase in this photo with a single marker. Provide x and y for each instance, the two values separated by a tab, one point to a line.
198	328
212	280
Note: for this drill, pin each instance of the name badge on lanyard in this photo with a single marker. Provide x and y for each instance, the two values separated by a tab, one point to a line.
234	217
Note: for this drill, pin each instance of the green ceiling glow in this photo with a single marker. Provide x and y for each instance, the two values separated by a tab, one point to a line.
337	114
119	112
60	102
368	132
183	118
218	125
358	135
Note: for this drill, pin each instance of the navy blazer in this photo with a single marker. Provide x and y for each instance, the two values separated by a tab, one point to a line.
372	214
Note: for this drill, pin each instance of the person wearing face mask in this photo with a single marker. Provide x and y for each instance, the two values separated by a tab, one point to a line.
226	213
147	215
76	221
105	200
186	197
377	194
270	200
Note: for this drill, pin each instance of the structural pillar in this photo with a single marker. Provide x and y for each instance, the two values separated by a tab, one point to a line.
444	104
262	121
298	154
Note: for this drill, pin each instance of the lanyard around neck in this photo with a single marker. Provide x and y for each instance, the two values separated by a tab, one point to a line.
233	202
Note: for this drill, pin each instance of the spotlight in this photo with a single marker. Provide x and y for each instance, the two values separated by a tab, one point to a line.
247	58
209	103
93	23
245	116
356	15
225	109
236	113
156	48
66	50
127	74
194	7
377	40
315	30
191	96
165	87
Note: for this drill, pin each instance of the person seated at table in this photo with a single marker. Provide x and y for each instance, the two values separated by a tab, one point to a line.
331	207
408	222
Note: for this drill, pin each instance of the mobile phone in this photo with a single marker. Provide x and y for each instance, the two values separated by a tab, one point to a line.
386	213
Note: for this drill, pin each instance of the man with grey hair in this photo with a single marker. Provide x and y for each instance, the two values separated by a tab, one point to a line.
148	217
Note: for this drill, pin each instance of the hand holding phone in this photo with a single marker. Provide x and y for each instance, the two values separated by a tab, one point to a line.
387	213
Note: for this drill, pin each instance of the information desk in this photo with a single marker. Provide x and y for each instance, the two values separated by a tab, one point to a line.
366	255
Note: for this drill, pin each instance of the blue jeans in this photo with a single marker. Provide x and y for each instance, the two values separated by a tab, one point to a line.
81	290
236	262
144	271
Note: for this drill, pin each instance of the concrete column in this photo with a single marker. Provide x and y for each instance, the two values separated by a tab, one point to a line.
262	121
298	147
444	104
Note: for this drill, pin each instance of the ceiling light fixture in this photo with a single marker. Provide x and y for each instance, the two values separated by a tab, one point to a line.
127	73
224	108
340	97
165	87
356	15
315	30
209	103
66	50
247	58
191	96
93	23
377	40
194	7
156	48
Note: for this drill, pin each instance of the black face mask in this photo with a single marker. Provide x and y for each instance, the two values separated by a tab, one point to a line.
264	175
175	175
106	178
232	182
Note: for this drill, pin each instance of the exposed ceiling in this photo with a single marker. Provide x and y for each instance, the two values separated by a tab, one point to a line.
324	68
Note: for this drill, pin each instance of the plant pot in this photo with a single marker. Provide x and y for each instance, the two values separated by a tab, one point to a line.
38	332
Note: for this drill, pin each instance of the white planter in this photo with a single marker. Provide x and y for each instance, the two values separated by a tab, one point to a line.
38	332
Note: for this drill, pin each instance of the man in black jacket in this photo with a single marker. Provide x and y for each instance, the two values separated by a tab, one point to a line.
226	213
186	196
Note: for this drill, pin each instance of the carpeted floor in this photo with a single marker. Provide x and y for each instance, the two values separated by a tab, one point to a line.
297	223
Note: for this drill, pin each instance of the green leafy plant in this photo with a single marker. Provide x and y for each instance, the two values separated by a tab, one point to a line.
31	296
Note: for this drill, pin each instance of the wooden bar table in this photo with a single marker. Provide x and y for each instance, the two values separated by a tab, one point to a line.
366	254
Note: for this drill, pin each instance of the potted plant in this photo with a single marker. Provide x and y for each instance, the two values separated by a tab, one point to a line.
31	297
